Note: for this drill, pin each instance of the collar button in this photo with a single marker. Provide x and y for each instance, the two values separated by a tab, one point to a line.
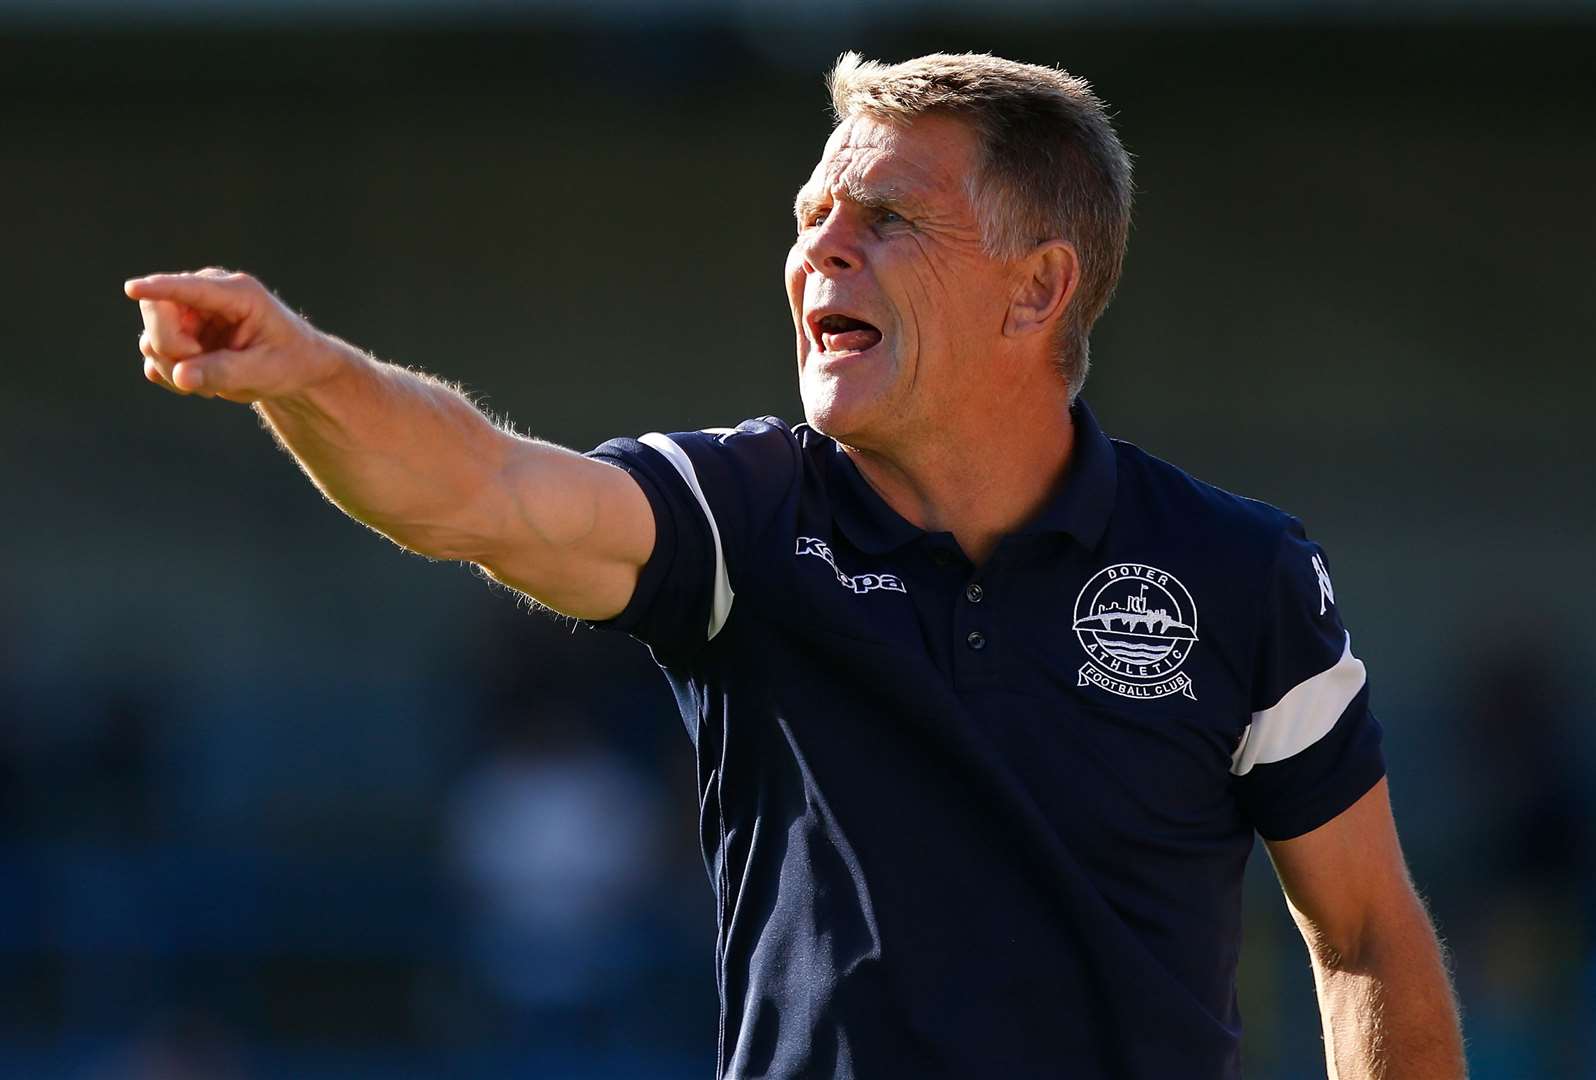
973	593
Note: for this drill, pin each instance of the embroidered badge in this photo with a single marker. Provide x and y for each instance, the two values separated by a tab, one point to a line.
1138	625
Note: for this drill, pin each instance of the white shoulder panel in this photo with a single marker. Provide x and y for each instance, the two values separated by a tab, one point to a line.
721	603
1303	717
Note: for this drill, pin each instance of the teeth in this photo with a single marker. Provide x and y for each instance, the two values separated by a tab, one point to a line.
839	324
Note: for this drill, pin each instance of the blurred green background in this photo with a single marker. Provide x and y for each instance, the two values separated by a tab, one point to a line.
277	799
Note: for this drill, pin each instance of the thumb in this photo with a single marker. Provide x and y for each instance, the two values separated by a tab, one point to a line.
225	373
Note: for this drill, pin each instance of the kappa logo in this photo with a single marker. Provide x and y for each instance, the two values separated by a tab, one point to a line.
1137	624
1327	594
859	583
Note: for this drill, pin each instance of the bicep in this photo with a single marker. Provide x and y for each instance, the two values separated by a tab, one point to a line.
570	532
1346	875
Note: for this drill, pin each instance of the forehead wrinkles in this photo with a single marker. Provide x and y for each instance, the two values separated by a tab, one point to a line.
842	174
867	165
844	167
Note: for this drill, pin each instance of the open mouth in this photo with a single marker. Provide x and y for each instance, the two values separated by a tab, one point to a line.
845	334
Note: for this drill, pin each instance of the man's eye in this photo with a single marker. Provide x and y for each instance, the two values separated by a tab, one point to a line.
888	217
814	217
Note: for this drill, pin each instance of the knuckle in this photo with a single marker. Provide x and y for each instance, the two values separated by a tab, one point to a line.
153	374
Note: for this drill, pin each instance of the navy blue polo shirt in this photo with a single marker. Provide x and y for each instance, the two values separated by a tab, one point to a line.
987	820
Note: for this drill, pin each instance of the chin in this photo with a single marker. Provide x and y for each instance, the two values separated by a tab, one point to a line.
823	417
847	407
836	420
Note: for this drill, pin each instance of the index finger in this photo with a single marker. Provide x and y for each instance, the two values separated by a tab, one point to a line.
206	293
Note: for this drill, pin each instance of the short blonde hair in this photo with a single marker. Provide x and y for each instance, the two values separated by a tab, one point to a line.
1051	165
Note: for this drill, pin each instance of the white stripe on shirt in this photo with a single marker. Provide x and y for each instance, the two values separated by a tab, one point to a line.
721	603
1301	718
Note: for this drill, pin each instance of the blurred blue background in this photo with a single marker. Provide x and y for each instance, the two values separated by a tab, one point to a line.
278	800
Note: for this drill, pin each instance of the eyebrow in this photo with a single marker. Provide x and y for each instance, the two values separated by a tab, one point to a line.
871	197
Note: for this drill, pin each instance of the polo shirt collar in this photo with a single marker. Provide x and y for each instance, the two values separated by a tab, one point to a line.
1080	508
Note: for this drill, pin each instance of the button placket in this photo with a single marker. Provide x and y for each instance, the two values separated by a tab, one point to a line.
976	662
974	593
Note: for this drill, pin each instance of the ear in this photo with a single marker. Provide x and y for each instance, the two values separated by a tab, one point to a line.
1049	276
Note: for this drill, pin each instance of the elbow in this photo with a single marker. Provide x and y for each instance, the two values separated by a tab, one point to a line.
1373	938
467	525
439	537
1337	949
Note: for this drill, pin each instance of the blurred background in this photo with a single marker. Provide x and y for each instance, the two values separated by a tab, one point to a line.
279	800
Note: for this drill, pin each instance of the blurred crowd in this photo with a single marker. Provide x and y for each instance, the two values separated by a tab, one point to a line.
277	801
540	908
534	904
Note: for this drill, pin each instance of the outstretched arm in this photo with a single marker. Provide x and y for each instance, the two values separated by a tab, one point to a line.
1384	996
403	452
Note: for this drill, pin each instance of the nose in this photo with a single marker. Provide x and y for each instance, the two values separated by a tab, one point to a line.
832	247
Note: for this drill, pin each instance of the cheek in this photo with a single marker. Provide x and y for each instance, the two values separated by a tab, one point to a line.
920	307
951	308
795	280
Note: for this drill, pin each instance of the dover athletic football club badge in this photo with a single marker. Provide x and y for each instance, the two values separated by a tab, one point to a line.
1138	625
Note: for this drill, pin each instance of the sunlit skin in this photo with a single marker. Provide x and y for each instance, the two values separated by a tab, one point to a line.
958	415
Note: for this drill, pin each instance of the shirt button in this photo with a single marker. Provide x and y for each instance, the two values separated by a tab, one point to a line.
976	640
973	593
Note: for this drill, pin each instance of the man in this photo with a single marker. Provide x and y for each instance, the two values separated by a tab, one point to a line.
987	708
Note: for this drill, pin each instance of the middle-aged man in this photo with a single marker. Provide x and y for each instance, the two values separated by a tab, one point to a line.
987	707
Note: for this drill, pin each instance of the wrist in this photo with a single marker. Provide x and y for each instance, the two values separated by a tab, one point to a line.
333	366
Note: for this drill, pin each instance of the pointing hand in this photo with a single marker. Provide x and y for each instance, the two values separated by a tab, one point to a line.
220	334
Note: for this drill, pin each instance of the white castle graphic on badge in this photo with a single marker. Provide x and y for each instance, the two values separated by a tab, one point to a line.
1138	625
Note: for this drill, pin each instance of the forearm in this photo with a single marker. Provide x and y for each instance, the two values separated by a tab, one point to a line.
401	452
404	453
1389	1011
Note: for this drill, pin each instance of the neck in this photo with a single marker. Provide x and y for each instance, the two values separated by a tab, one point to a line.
981	479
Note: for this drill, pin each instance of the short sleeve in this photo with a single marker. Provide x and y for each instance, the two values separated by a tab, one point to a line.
712	492
1312	748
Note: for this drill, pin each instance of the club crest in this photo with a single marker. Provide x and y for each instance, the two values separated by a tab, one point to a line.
1138	625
